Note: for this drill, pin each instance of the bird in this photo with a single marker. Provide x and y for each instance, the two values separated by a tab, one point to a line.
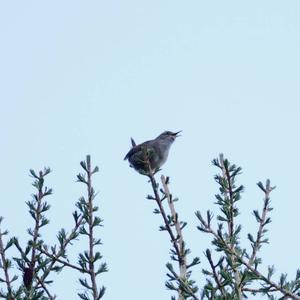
149	156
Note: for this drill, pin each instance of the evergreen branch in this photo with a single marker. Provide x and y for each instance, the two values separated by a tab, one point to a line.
90	225
228	190
36	212
229	179
262	220
56	256
182	279
43	285
31	266
179	241
260	290
215	274
259	275
55	259
186	287
87	259
163	213
5	265
272	284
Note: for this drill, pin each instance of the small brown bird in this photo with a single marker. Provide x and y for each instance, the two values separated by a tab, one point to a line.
155	151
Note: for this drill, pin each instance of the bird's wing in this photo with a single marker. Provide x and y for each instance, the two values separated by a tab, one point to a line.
135	149
132	151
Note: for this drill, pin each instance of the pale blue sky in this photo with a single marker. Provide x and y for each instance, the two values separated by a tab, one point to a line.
81	77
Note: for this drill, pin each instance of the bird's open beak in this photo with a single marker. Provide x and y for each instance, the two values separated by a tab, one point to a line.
176	134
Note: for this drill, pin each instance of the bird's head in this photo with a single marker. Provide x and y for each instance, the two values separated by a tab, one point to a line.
169	136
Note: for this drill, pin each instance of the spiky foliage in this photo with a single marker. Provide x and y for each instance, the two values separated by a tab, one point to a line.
234	271
178	280
37	260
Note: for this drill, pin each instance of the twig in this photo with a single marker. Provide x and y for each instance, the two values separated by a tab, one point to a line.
179	242
216	277
267	190
229	191
183	285
242	261
45	288
5	267
91	233
258	290
231	227
55	258
265	279
176	237
163	213
182	256
39	198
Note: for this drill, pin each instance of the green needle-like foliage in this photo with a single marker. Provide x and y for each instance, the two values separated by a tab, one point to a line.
37	260
178	280
234	270
89	260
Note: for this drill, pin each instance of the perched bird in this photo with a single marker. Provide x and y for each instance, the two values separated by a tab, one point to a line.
153	153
